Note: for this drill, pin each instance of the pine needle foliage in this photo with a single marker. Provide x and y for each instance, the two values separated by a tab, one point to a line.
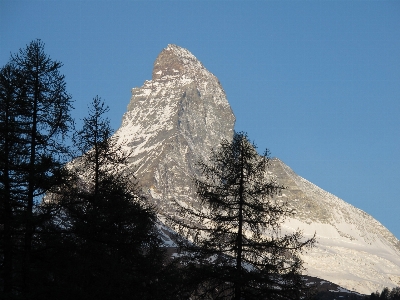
34	122
101	242
232	239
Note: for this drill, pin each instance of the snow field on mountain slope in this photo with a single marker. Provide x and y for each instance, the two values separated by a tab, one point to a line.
353	222
352	263
354	270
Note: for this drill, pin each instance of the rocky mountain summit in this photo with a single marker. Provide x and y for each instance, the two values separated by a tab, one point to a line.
179	115
172	121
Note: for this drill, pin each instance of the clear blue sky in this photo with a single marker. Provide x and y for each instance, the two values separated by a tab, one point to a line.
317	82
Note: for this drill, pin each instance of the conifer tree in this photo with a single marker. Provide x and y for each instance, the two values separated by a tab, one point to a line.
103	232
231	240
35	120
9	181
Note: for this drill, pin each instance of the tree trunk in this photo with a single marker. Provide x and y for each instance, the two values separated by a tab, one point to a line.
31	189
238	284
8	246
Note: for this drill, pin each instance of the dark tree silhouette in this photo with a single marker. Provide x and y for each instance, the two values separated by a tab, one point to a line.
386	294
232	238
9	181
103	240
35	117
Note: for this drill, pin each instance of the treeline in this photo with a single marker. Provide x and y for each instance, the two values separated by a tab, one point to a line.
386	294
74	223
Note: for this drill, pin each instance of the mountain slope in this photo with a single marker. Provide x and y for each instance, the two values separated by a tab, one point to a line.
354	250
177	117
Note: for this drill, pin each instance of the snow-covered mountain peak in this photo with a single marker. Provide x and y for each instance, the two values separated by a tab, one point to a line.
176	61
172	121
174	69
175	119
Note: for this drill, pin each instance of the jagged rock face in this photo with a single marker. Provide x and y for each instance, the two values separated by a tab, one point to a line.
176	118
173	121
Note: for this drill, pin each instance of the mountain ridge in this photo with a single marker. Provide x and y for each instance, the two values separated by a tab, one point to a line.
182	113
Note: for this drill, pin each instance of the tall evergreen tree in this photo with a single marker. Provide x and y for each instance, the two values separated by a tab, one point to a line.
103	240
33	126
232	239
9	179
